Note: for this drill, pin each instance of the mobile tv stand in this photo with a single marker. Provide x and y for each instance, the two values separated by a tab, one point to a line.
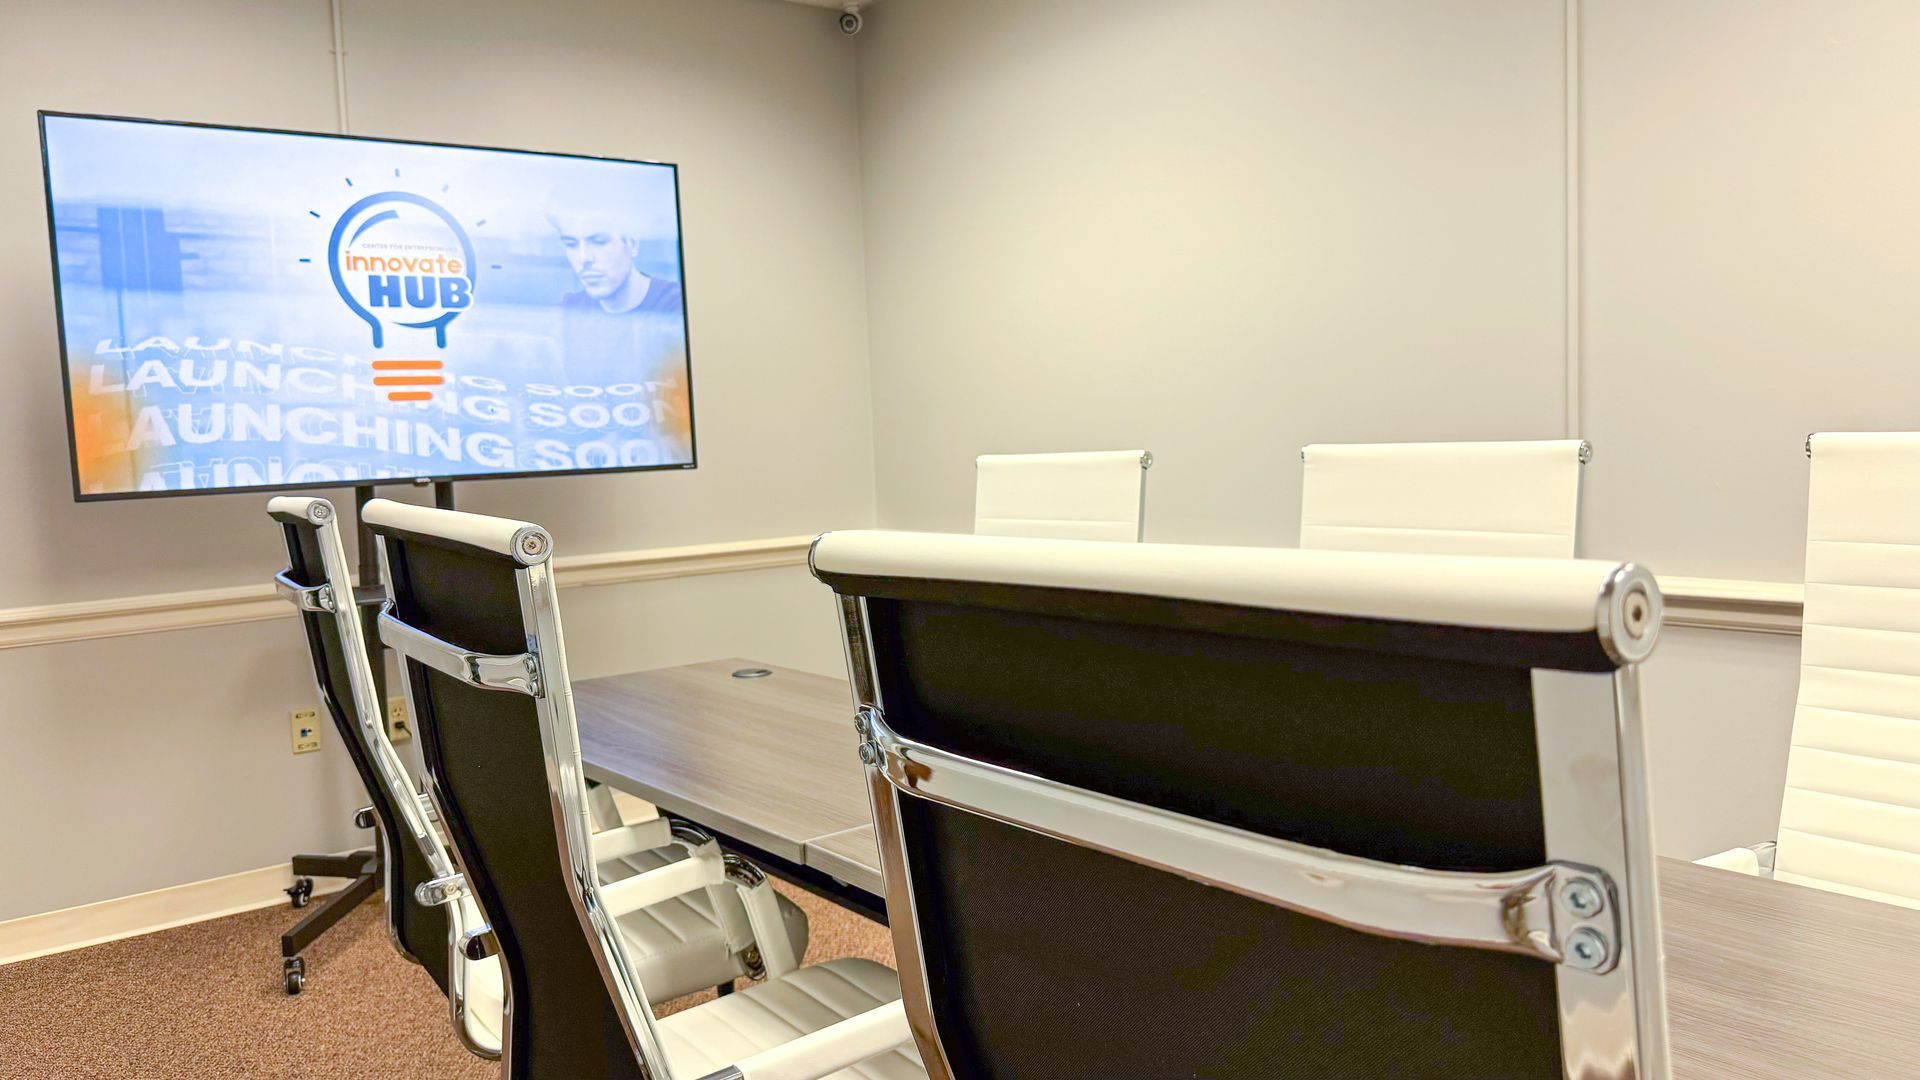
362	868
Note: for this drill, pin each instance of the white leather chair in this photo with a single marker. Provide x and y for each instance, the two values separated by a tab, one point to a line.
1096	495
683	943
474	615
1153	810
1467	498
1850	814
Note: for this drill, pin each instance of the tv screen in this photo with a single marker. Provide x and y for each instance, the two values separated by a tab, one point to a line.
243	309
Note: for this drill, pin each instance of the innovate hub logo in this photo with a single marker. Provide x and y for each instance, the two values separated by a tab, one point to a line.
401	260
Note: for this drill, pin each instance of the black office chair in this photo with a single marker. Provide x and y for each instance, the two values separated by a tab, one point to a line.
1154	811
682	944
435	936
474	615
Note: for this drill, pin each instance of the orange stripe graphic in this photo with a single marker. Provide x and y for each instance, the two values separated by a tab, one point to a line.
406	365
410	395
407	380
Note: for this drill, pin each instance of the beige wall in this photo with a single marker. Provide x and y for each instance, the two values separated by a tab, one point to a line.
1224	228
1750	230
1752	234
1219	229
143	762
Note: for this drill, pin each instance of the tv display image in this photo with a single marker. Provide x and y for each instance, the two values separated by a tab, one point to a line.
242	309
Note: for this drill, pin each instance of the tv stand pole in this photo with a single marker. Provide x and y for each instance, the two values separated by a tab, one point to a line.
361	867
443	494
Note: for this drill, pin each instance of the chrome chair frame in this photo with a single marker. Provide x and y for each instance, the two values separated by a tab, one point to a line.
1610	984
416	808
541	674
546	682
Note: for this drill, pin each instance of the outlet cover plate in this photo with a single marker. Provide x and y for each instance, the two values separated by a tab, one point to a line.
306	730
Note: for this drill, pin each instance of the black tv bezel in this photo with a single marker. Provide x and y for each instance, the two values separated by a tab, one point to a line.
66	372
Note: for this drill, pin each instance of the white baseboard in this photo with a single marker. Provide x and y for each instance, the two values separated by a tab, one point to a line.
143	913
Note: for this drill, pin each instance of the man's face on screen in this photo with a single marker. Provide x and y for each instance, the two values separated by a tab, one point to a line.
601	257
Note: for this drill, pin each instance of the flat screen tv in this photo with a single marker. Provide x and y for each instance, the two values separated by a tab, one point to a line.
243	309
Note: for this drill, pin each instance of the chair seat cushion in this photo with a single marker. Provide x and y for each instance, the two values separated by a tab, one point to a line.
720	1032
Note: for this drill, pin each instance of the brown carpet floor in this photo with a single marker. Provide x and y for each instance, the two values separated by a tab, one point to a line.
206	1001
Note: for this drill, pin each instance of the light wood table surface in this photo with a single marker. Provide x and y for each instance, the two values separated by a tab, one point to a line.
1765	980
769	761
852	856
1769	980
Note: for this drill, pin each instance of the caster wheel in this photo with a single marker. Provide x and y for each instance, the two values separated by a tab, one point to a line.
301	892
296	975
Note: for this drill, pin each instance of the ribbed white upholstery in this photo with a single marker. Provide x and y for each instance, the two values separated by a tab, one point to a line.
1469	498
1099	495
720	1032
1850	816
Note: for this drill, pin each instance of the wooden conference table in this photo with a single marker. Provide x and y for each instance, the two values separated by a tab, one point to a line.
1764	980
766	764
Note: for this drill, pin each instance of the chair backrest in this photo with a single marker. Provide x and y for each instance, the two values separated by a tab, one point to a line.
1150	810
1470	498
473	614
1097	495
1850	815
319	584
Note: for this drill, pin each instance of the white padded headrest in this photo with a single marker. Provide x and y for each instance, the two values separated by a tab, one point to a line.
522	541
1525	594
317	511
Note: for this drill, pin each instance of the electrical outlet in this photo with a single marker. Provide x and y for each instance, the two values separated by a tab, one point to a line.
306	730
399	724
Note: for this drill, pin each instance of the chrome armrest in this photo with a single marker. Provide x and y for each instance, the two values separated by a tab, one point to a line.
767	950
761	938
827	1051
771	954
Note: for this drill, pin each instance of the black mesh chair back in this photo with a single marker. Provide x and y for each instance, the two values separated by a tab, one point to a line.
317	581
1154	811
331	619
